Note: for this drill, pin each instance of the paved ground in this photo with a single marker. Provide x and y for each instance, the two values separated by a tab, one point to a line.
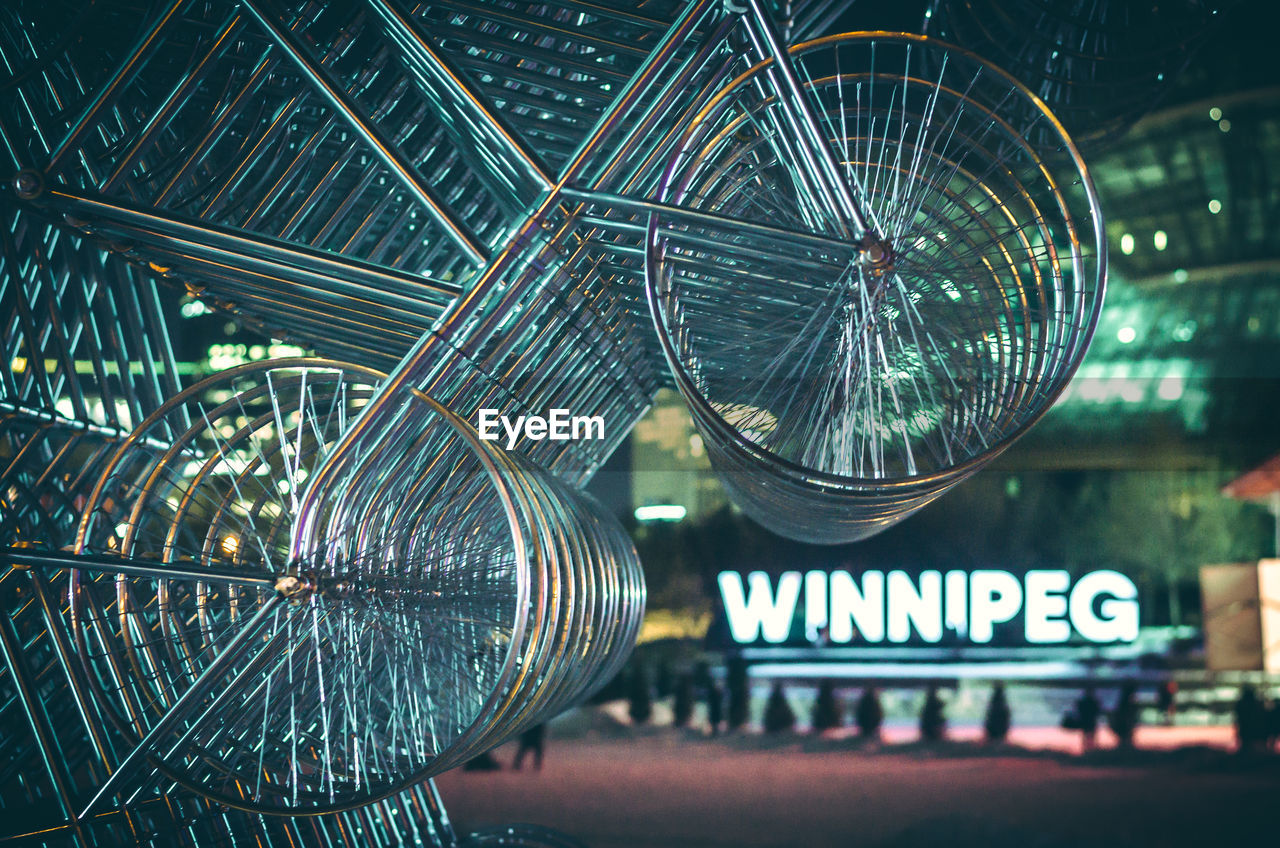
665	789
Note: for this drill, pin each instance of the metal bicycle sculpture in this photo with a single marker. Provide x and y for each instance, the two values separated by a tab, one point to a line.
472	598
946	295
305	586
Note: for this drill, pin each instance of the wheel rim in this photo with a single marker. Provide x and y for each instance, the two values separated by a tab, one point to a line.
871	375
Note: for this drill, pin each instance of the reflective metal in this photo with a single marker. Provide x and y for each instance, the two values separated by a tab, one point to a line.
305	586
842	383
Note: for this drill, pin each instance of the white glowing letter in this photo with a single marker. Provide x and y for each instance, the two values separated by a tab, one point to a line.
995	596
1046	607
922	608
761	613
558	425
488	424
957	617
815	604
851	606
1119	619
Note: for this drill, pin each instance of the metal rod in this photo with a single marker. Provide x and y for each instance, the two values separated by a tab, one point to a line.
450	89
818	17
679	80
439	816
221	700
179	95
45	738
616	14
48	416
217	129
229	657
639	83
111	89
815	143
223	245
74	671
705	89
336	96
494	12
709	219
100	564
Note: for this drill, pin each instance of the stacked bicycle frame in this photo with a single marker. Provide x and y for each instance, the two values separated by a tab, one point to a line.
306	586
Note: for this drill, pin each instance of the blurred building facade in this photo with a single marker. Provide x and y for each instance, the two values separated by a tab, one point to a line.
669	463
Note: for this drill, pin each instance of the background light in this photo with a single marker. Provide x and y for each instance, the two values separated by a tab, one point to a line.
194	308
1170	388
660	512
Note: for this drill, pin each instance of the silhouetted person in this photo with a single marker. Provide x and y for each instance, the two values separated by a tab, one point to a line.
826	708
739	693
640	702
682	708
778	715
998	718
1273	723
715	707
534	739
1088	711
1124	717
1250	720
664	682
933	719
1167	701
869	715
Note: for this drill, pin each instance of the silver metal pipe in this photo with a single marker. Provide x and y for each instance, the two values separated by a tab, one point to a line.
813	141
668	211
108	564
46	739
387	152
112	88
451	92
227	659
211	241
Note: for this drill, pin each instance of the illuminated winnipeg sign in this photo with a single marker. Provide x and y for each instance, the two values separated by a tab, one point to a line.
896	607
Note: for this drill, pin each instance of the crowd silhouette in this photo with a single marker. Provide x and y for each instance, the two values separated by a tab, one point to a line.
727	709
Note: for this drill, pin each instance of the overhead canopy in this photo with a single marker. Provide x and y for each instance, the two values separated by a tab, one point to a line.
1261	482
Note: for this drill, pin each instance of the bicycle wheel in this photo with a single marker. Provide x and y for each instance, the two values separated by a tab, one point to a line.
840	379
391	645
